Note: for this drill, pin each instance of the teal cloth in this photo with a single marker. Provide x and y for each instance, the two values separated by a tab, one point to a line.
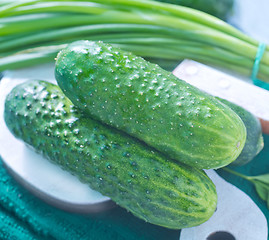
261	84
25	217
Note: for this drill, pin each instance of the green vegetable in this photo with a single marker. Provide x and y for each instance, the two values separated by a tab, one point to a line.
132	174
261	183
218	8
254	142
147	102
143	27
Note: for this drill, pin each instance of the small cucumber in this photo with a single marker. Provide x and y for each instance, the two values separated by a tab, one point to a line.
132	174
254	142
149	103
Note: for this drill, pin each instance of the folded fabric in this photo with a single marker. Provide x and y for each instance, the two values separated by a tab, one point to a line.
261	84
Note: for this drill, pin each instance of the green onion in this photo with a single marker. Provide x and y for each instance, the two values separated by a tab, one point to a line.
32	29
221	9
28	58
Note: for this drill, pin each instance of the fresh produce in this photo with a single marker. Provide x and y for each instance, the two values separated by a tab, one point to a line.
218	8
254	142
147	102
135	176
32	32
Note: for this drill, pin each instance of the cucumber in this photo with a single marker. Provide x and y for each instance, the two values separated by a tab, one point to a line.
149	103
254	142
132	174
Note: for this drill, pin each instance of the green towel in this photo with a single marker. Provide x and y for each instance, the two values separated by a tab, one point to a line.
23	216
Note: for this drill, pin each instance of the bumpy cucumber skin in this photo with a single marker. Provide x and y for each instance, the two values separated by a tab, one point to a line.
254	142
133	175
149	103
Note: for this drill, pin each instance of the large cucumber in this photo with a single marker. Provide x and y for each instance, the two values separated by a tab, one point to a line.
147	102
254	142
133	175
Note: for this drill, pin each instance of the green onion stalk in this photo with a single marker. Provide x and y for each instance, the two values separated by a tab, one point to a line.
34	31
